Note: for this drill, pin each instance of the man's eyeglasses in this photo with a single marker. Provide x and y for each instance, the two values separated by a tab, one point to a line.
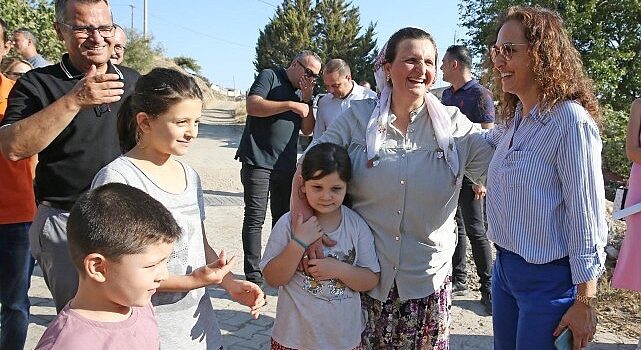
119	48
83	32
308	72
506	50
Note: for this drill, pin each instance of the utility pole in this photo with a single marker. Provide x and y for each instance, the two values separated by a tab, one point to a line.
132	16
144	26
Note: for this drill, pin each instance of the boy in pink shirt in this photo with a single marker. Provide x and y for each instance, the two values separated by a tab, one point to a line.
120	239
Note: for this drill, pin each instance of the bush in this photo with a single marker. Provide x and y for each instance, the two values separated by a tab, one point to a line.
613	136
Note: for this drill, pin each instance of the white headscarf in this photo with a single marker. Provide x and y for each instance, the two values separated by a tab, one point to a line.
377	125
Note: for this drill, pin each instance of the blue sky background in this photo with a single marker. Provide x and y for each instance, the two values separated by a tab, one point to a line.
222	35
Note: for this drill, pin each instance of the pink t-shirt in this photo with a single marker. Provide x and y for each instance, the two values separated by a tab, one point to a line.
70	331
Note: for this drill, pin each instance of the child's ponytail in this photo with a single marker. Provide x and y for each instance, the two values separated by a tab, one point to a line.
127	126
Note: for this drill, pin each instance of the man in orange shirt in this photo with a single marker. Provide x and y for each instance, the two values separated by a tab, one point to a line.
17	208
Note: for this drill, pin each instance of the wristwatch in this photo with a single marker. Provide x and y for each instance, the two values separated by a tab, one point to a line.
589	301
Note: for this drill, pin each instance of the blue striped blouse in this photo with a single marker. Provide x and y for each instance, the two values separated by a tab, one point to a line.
545	193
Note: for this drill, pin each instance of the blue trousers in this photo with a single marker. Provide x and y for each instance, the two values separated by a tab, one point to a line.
16	265
528	301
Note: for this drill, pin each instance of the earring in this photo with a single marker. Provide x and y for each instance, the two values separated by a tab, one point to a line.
388	78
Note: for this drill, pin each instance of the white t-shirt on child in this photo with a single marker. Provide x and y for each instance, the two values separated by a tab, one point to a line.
322	314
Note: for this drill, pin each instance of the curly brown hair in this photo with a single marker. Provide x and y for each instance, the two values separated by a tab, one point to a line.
556	63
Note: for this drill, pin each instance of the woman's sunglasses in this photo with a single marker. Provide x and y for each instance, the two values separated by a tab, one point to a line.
506	50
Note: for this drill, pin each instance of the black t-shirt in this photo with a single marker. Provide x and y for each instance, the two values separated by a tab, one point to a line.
68	164
271	142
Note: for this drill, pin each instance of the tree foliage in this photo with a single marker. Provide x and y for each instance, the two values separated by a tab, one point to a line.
607	33
140	53
328	27
38	17
187	63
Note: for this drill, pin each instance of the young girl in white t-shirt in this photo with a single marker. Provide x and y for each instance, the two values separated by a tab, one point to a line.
158	121
321	310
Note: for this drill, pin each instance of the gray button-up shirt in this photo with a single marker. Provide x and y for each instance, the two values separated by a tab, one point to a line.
410	197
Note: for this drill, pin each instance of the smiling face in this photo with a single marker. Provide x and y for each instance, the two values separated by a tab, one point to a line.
134	278
413	69
325	195
83	52
172	131
517	75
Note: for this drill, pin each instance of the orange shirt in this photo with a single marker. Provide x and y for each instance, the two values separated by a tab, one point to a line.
17	201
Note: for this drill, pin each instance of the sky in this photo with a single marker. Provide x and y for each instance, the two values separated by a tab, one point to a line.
222	35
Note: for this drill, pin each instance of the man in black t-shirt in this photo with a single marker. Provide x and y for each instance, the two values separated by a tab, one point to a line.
66	114
268	146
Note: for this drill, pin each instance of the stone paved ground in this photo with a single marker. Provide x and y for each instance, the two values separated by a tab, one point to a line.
212	156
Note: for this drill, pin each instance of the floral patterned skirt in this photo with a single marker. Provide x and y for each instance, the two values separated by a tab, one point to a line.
408	324
277	346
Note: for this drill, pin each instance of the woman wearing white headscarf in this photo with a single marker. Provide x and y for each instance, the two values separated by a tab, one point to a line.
409	154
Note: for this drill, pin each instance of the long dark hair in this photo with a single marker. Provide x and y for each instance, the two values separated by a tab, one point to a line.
154	94
324	159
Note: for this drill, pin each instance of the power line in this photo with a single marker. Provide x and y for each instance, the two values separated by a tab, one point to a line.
201	33
267	3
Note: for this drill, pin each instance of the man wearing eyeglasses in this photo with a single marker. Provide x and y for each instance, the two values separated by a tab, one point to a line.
267	150
476	102
120	43
66	114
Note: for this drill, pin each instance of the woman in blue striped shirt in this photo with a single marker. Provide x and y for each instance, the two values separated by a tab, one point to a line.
545	204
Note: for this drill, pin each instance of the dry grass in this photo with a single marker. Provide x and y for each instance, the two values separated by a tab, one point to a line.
619	310
240	113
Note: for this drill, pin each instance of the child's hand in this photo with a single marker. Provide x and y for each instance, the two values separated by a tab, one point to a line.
248	294
214	272
307	231
325	269
315	251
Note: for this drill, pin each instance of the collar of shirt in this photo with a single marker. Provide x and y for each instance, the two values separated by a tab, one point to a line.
420	112
535	114
73	73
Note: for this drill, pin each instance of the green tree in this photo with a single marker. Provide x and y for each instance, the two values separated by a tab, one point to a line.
187	63
607	33
337	34
38	17
289	32
140	54
328	27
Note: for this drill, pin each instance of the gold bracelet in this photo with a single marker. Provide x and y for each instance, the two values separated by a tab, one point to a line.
585	299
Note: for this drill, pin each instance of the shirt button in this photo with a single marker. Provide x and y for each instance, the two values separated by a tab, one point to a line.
397	238
398	212
402	182
403	155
